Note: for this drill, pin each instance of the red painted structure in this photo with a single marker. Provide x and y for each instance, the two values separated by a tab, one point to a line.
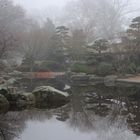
47	75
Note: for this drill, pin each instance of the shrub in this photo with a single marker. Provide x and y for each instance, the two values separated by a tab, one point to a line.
42	66
92	61
138	69
128	69
24	68
131	68
104	69
82	68
50	66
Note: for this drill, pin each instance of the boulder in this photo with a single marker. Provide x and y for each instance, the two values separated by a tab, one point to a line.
4	104
3	90
25	99
10	94
17	99
47	96
2	81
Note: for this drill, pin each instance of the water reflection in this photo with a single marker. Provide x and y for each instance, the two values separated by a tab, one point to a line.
94	113
11	126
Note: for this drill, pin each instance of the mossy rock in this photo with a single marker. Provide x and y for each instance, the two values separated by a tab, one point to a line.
50	97
4	104
25	99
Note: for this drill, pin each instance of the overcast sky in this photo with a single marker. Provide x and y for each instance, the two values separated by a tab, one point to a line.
40	4
33	6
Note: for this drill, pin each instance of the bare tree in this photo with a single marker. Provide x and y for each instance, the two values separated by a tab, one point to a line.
98	19
12	19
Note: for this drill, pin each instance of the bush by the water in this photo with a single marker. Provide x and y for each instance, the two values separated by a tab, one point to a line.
50	66
42	66
82	68
104	69
130	68
138	69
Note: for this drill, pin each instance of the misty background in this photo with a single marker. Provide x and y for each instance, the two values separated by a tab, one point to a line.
41	5
64	32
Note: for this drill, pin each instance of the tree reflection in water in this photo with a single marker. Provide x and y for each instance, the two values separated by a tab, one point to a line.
117	106
11	125
110	112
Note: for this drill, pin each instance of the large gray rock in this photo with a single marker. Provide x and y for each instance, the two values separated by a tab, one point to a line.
17	99
10	94
47	96
4	104
25	99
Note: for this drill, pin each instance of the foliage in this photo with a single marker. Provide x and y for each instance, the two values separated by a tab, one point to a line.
100	45
82	68
128	68
132	38
63	33
37	41
98	18
104	69
77	49
92	61
11	19
42	66
138	69
50	66
48	28
132	68
55	51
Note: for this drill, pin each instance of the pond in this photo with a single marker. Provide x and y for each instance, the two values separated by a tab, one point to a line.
94	113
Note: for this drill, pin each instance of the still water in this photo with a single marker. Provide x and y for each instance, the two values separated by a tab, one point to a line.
94	113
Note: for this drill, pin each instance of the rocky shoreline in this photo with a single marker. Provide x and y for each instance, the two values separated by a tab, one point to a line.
41	97
49	97
110	80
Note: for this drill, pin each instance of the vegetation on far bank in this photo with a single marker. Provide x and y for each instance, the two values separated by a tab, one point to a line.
52	47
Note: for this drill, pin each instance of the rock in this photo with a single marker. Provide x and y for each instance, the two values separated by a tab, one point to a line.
11	81
47	96
3	90
17	99
3	103
2	81
10	94
67	87
3	100
25	99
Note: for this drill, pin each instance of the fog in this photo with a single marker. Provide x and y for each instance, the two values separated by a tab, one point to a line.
69	45
86	20
41	28
32	5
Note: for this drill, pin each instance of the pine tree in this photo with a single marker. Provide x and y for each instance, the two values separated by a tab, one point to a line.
132	40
